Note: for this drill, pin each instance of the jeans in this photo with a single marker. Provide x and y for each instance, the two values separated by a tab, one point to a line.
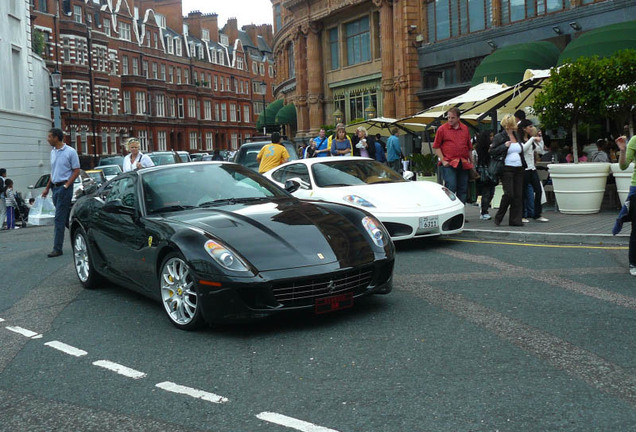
3	209
456	179
10	217
395	165
62	202
532	195
632	235
512	182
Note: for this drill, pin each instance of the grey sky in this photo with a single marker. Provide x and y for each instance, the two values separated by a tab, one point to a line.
245	11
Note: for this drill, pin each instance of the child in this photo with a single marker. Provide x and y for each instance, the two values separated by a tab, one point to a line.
11	204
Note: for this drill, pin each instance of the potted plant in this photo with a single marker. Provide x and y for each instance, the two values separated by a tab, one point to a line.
424	165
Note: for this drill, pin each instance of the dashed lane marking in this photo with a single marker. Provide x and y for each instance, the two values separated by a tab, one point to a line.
120	369
24	332
292	423
70	350
538	245
188	391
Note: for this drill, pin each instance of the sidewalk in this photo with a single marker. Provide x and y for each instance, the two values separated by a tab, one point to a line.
594	229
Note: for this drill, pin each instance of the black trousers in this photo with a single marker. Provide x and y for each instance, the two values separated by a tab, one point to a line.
512	182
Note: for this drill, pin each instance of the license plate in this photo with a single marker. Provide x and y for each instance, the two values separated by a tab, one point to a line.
330	304
429	222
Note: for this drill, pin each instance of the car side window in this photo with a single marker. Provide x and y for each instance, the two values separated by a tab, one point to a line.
297	170
42	181
122	189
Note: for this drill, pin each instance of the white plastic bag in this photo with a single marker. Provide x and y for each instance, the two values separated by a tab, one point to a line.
42	212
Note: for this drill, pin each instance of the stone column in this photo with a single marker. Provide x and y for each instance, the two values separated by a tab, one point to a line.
314	77
300	62
386	48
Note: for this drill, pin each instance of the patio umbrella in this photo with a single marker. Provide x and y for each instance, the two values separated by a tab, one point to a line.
382	126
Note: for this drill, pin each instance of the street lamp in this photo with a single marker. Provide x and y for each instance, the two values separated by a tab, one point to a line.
369	112
56	82
263	91
337	116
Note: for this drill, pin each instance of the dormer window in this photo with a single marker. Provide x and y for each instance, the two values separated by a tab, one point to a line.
224	39
170	45
205	35
213	52
177	46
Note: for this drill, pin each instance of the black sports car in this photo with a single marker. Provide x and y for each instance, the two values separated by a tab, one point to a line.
215	241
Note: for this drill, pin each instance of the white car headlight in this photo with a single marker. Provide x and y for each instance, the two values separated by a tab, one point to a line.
224	256
372	226
357	201
450	194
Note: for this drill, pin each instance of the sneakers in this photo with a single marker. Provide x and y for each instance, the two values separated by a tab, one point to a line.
485	217
542	219
632	270
524	220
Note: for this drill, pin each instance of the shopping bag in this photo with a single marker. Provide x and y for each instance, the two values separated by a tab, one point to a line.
42	212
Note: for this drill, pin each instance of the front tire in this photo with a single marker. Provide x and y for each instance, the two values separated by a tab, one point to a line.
83	261
178	293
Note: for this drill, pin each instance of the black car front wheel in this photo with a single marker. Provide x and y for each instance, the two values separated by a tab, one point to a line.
82	260
178	293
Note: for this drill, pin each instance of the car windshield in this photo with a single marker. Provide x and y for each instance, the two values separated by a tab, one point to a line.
204	185
353	172
96	175
110	170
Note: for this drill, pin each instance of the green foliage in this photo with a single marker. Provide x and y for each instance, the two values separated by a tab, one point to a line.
37	42
621	94
329	129
358	120
424	163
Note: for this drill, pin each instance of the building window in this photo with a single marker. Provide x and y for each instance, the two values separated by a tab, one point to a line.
163	72
144	65
178	76
114	98
180	108
205	35
271	71
358	41
217	113
124	31
334	48
261	69
278	21
186	76
177	44
209	144
213	55
207	109
239	63
195	77
234	141
161	141
193	141
160	102
170	45
155	71
68	95
77	14
192	107
104	141
156	40
255	68
66	50
142	135
291	60
233	112
516	10
107	27
246	113
221	57
135	66
140	100
216	83
223	112
127	107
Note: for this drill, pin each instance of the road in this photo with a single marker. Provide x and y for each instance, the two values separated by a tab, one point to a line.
475	337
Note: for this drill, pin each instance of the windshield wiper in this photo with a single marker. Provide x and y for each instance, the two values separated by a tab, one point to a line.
231	201
172	208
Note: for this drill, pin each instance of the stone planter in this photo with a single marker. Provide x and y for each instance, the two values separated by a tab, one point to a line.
579	188
623	180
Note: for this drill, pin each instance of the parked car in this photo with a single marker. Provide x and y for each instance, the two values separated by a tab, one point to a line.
214	241
97	175
406	208
197	156
82	181
246	154
110	171
169	157
112	160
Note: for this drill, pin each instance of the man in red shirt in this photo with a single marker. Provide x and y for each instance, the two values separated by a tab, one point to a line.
454	149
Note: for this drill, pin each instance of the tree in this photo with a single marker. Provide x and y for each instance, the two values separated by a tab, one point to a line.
621	93
37	42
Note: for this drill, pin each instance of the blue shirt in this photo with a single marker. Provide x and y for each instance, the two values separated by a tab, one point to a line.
323	146
393	149
379	152
63	162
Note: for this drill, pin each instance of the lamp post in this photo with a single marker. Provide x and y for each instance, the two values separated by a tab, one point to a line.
56	82
263	91
92	90
337	116
369	112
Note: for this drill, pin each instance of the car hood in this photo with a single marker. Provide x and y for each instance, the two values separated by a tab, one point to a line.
283	234
412	196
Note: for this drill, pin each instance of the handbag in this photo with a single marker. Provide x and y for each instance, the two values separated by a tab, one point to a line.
483	173
495	168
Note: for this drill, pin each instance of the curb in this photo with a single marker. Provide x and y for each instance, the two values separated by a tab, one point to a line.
544	237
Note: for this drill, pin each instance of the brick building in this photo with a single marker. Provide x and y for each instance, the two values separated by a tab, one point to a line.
140	68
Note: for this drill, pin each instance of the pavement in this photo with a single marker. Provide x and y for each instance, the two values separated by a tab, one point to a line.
593	229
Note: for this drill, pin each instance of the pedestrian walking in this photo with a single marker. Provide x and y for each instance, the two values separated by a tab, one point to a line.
532	143
3	206
11	204
65	167
628	212
486	186
453	147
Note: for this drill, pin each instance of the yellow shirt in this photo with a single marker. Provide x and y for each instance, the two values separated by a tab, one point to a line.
271	156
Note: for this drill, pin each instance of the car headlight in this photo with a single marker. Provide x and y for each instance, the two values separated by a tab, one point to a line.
450	194
372	226
357	201
224	256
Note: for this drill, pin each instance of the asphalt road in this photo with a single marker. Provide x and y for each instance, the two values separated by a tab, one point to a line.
475	337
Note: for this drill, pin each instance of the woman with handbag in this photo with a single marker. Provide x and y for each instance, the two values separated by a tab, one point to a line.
506	144
483	159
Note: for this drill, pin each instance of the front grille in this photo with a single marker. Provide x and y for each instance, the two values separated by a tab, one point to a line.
397	229
453	223
304	292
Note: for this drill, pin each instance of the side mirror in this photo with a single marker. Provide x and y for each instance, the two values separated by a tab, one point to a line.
302	184
292	186
117	207
31	187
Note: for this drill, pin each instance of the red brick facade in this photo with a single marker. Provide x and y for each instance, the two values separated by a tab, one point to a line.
174	82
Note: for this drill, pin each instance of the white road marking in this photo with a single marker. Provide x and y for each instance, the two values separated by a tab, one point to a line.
70	350
291	422
121	370
188	391
1	320
22	331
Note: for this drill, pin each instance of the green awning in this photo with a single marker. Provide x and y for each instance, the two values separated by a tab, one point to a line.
508	64
269	115
602	42
286	115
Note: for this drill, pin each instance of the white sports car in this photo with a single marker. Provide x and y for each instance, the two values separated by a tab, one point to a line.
406	208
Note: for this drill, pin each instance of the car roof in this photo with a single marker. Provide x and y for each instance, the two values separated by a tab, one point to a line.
332	159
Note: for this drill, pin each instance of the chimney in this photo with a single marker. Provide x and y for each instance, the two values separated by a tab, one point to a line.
193	20
266	32
231	30
210	22
171	9
251	33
